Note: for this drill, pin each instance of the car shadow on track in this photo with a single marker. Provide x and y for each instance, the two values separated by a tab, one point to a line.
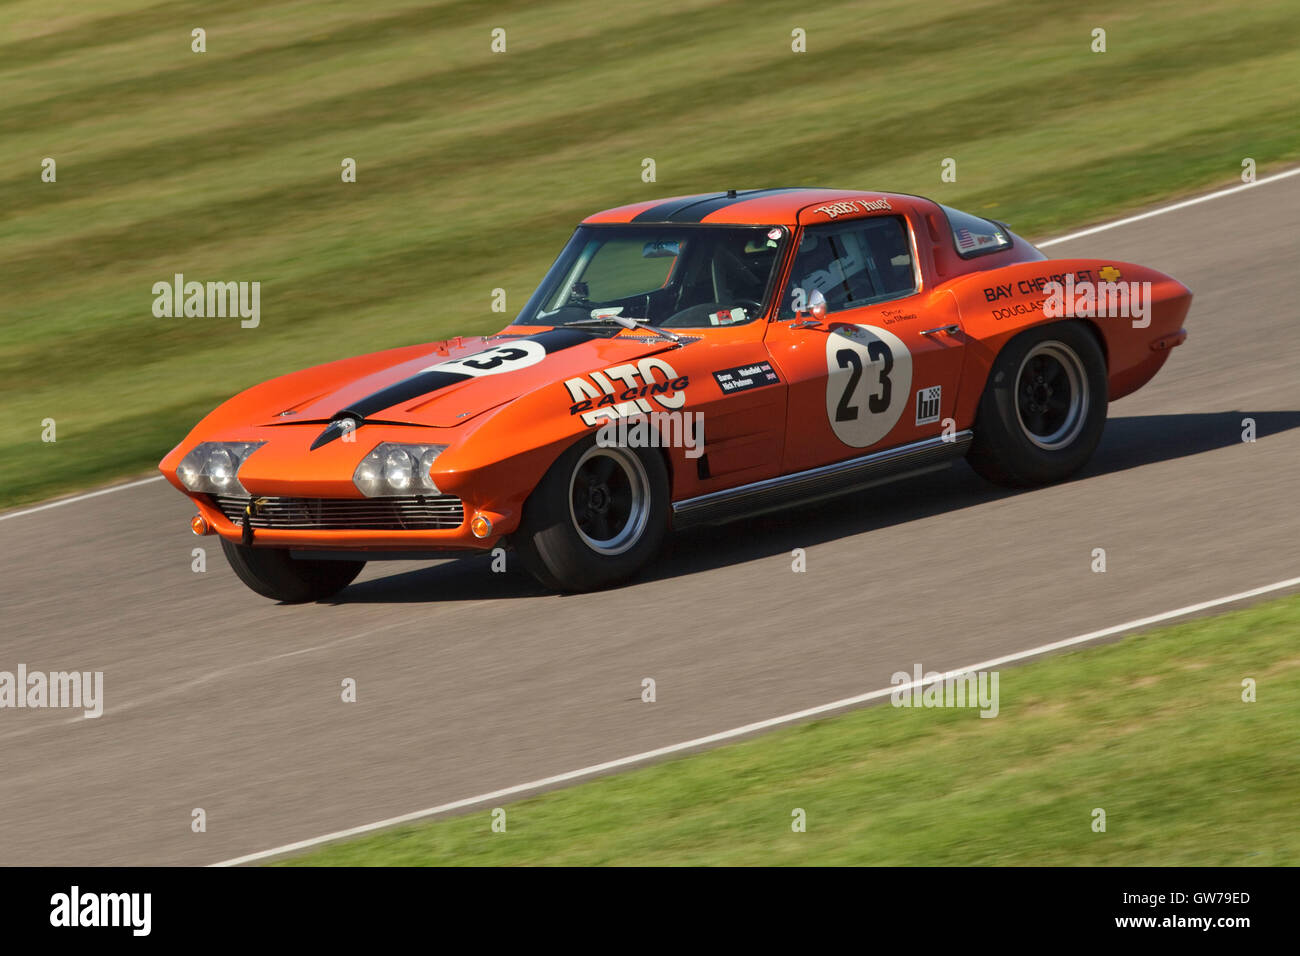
1127	443
460	579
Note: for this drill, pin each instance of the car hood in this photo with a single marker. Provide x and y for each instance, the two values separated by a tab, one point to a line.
447	385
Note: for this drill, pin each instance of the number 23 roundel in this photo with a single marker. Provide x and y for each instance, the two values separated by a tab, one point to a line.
868	379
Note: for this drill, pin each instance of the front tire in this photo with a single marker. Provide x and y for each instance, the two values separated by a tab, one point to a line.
1043	408
273	573
596	518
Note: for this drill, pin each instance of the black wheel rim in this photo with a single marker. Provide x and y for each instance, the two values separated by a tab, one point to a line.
1052	395
609	499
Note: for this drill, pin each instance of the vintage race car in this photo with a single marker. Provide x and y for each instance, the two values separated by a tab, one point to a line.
685	361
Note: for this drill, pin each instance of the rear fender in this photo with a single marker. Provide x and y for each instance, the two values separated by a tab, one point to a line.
1137	324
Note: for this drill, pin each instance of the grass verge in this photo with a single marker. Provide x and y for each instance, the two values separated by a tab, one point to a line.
1152	729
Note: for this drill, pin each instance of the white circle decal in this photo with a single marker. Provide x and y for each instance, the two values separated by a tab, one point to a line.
507	357
868	379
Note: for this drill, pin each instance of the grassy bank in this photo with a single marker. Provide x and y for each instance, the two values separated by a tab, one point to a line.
473	166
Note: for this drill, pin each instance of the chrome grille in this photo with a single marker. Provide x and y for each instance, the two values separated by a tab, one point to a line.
407	513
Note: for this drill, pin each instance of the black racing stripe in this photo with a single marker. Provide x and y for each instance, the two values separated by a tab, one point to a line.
665	210
698	211
696	208
424	383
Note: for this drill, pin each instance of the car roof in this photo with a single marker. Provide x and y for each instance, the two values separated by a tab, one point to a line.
787	206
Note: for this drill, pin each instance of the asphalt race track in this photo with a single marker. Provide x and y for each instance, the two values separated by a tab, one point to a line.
470	681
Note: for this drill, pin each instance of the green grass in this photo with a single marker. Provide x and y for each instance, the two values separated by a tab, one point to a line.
1153	730
473	167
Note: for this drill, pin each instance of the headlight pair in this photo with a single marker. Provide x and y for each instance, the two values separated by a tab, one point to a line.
213	465
396	469
389	469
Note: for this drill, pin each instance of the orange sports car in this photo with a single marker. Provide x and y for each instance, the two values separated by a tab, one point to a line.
685	361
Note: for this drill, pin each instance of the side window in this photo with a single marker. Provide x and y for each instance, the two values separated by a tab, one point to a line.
974	236
852	264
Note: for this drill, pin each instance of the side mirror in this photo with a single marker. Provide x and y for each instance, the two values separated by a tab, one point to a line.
816	309
817	305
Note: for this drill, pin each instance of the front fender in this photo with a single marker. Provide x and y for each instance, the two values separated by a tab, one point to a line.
504	453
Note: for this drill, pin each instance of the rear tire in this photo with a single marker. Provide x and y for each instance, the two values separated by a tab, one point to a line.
273	573
1043	408
596	518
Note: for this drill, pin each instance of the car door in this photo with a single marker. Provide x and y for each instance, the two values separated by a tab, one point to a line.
881	368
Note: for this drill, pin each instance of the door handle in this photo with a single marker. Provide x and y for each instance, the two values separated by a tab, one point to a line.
949	329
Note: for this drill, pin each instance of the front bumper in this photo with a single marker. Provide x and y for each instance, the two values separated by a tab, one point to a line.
417	523
475	485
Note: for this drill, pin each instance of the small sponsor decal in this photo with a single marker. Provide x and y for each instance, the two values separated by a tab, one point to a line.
1109	274
745	377
727	316
927	404
855	332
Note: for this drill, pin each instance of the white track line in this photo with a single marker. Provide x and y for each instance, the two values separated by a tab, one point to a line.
1049	242
571	775
1164	209
89	494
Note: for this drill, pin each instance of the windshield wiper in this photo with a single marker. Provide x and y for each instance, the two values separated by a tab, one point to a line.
626	322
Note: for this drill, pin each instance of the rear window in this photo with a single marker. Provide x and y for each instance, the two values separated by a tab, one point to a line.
974	236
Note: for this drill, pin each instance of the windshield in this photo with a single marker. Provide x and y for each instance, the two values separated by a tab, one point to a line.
670	276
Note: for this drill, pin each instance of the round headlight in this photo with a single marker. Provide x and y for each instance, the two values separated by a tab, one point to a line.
369	475
189	472
426	466
221	467
397	470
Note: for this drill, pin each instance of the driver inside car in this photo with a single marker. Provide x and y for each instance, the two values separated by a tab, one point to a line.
725	288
